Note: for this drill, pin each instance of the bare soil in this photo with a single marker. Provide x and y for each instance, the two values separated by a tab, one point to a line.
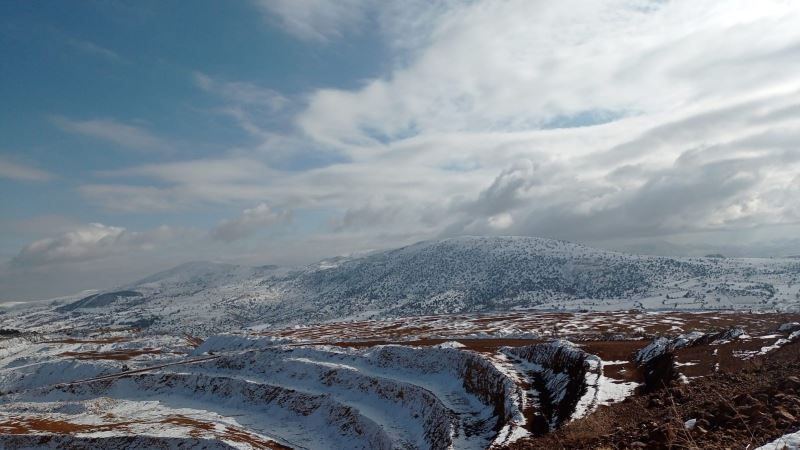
744	407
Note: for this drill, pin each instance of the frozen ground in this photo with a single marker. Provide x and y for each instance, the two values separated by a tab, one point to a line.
331	387
451	276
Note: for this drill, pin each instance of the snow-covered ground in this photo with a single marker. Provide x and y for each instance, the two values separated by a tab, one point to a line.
461	343
790	441
245	392
122	388
466	274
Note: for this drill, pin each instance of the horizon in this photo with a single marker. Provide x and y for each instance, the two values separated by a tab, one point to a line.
137	137
355	255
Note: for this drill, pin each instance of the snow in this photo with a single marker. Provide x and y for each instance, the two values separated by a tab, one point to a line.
280	385
232	342
789	441
435	277
602	390
451	344
306	396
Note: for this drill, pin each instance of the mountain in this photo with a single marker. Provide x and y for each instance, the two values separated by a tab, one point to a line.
464	274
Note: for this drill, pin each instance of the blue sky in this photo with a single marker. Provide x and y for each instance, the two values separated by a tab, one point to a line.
135	65
139	135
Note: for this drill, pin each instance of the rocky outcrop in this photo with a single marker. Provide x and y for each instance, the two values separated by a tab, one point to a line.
558	371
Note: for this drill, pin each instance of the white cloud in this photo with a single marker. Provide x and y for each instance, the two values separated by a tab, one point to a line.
22	172
517	65
97	50
133	198
125	135
315	20
240	92
191	184
250	221
591	121
89	242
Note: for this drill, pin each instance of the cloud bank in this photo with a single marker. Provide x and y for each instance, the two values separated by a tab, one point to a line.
580	120
251	220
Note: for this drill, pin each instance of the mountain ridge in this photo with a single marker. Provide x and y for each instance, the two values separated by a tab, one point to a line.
454	275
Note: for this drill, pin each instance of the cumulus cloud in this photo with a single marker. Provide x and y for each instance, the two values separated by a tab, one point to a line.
122	134
89	242
21	172
249	222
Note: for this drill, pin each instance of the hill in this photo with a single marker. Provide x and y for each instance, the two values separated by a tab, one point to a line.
465	274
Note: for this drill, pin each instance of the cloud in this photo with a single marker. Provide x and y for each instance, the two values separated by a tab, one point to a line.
315	20
591	121
109	130
46	224
190	184
133	198
251	220
96	50
240	92
506	191
520	65
22	172
89	242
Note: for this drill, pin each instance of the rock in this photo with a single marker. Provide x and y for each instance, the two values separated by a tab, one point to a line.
744	399
782	413
752	410
724	414
794	401
662	434
705	415
789	326
791	383
677	393
765	421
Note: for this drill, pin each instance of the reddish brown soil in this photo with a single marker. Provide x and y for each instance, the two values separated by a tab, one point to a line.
573	326
742	408
241	436
232	434
117	355
718	373
108	340
480	345
32	425
193	341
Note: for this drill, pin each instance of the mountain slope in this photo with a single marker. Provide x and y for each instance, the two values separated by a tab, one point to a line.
464	274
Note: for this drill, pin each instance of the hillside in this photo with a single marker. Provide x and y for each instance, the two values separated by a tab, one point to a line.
465	274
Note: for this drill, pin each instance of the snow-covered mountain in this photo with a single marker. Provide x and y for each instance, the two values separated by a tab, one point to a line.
465	274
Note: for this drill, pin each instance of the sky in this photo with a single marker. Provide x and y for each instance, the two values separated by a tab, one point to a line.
137	135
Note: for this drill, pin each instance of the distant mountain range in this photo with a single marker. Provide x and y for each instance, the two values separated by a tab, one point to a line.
465	274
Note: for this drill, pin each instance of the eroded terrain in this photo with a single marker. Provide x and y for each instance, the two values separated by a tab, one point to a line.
459	381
